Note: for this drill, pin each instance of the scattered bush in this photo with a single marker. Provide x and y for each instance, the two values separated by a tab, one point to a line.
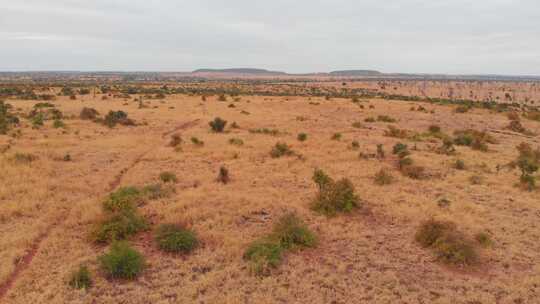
264	255
355	145
197	142
223	175
175	238
118	226
236	141
176	140
289	233
117	117
168	177
23	158
58	124
88	114
122	262
273	132
7	120
395	132
459	164
383	177
281	149
448	244
528	162
81	278
302	137
483	239
358	125
477	140
218	125
336	136
334	196
385	118
462	109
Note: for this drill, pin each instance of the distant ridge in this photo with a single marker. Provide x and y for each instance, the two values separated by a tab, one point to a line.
240	71
355	73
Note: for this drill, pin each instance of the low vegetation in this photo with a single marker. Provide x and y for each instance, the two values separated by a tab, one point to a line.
290	233
334	196
175	238
448	244
121	262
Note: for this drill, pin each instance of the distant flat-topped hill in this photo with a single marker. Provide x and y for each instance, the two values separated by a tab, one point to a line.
240	71
352	73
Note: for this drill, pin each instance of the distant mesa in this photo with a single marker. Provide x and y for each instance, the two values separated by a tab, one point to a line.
240	71
354	73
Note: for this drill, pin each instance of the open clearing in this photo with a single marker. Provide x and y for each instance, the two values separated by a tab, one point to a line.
49	205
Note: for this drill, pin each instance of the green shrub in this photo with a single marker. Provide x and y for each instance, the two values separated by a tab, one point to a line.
218	125
334	196
336	136
168	177
281	149
355	145
122	262
81	278
175	238
302	137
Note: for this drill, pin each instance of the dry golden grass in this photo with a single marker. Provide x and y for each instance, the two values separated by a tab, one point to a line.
368	256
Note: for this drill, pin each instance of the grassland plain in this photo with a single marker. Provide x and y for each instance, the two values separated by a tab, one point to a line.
49	205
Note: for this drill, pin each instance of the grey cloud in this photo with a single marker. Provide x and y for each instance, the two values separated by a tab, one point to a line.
437	36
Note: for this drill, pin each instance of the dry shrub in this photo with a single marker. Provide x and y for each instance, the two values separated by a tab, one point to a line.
334	196
448	244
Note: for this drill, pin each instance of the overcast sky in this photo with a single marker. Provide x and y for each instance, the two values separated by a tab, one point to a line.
426	36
